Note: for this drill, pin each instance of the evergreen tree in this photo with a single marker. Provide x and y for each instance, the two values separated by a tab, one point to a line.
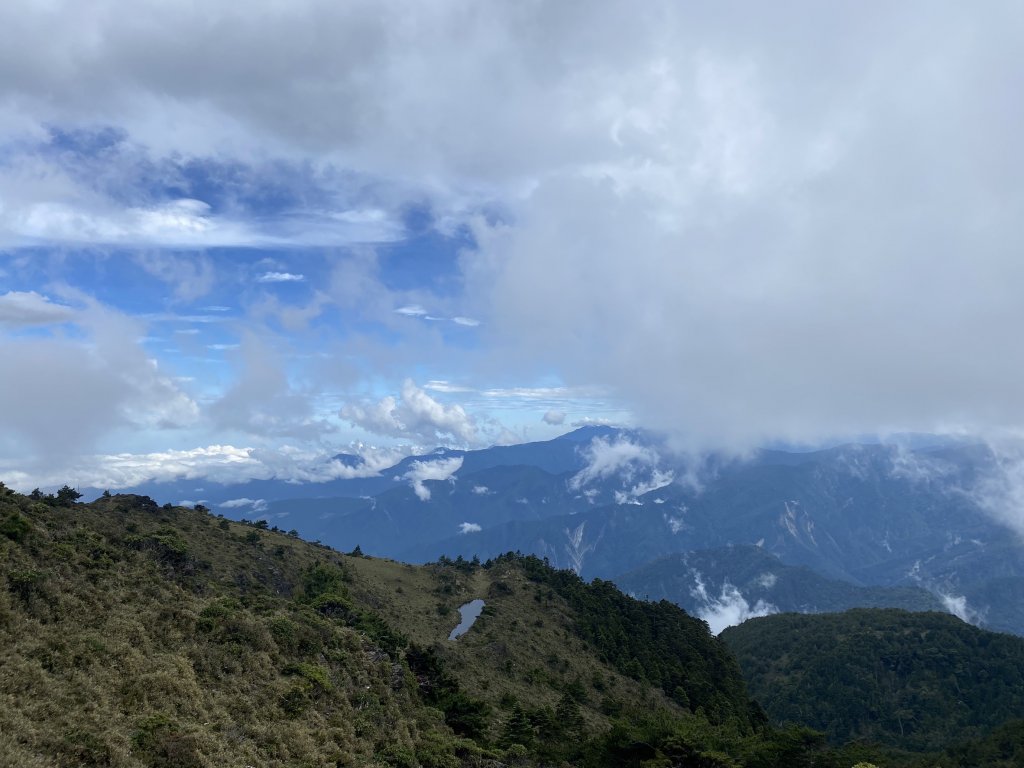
568	714
518	729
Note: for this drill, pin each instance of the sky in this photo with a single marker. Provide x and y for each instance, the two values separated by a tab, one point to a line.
238	238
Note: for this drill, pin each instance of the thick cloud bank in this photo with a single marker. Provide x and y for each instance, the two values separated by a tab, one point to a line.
749	221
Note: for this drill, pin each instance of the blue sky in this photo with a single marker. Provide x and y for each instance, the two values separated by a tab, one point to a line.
240	239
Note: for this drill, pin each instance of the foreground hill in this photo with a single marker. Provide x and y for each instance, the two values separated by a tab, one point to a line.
917	680
140	635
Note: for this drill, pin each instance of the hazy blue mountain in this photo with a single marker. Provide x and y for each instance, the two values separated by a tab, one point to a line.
389	522
747	576
604	502
556	456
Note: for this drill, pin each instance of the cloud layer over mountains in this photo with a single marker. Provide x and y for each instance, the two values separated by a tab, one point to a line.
745	222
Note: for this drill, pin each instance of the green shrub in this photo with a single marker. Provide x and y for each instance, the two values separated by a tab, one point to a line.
85	749
25	584
314	674
165	744
15	527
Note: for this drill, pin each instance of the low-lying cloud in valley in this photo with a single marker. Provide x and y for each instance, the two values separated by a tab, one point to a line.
421	471
728	608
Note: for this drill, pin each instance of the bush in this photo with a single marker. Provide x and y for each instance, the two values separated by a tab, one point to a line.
86	749
24	585
167	747
15	527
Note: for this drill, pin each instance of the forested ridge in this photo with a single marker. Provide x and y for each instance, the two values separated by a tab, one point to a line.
915	680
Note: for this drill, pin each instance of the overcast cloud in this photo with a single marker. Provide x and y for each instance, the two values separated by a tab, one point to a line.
742	222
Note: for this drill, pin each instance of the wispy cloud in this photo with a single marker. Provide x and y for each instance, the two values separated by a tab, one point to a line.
421	471
411	310
280	277
258	505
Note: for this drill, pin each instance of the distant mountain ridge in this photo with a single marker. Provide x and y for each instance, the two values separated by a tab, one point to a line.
741	582
604	501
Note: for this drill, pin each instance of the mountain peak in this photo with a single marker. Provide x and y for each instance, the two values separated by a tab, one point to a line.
589	432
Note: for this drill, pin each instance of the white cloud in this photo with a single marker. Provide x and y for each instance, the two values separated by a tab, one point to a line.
413	310
174	224
216	463
414	415
957	605
262	401
691	208
416	310
258	505
767	579
555	418
727	609
421	471
606	458
73	389
469	528
481	490
999	488
917	466
590	421
21	309
280	277
446	387
657	479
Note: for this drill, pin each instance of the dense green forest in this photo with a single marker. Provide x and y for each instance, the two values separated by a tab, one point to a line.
915	680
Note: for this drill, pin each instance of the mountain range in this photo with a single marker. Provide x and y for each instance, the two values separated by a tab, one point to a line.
608	503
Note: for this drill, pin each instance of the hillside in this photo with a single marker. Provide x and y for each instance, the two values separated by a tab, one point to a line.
141	635
917	680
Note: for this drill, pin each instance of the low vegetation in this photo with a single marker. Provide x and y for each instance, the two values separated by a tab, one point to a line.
143	635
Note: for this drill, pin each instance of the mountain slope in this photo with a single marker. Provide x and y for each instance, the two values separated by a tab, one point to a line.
139	635
918	680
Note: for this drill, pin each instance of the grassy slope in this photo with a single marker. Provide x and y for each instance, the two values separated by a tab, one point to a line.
138	635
